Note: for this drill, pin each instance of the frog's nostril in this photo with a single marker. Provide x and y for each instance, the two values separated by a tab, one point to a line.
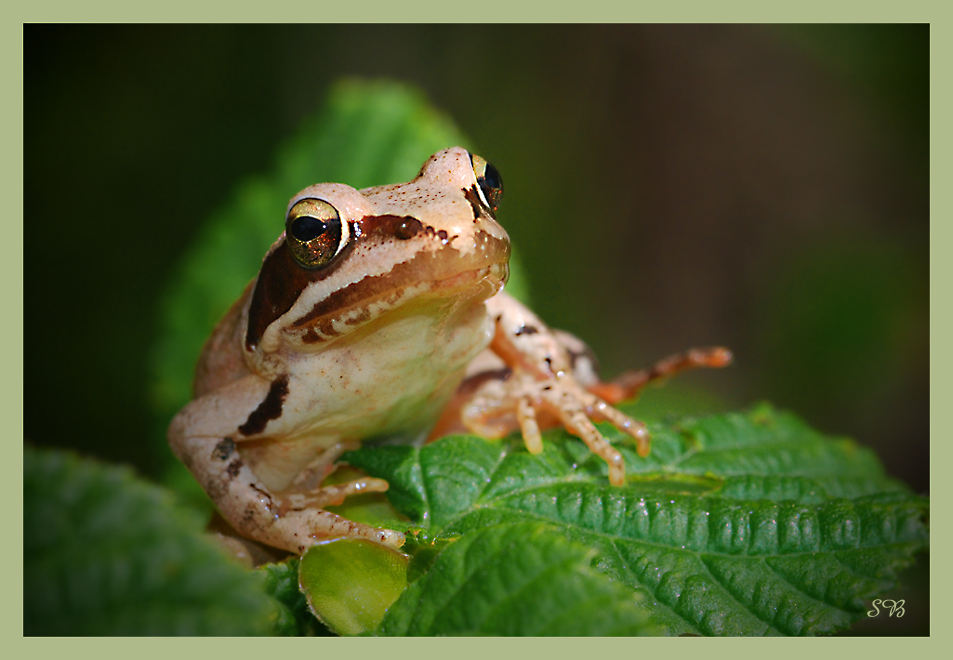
408	228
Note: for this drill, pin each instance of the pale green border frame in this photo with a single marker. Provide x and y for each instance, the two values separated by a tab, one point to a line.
941	326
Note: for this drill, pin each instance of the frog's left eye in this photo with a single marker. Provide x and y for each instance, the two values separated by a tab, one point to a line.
490	182
315	233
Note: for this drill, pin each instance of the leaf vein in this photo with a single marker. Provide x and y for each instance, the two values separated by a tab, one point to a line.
801	589
658	601
732	593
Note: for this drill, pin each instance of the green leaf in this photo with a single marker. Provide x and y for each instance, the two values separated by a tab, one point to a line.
108	554
516	579
350	583
737	524
295	618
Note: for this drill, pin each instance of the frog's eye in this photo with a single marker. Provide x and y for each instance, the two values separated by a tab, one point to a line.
315	233
490	182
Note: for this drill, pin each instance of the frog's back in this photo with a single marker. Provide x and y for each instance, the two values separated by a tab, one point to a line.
222	361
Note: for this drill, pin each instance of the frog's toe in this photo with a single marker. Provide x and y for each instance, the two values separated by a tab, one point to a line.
331	495
574	407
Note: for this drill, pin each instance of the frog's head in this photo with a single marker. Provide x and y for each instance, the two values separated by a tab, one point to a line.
350	256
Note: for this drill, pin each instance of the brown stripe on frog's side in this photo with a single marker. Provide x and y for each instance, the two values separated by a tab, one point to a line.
268	409
282	279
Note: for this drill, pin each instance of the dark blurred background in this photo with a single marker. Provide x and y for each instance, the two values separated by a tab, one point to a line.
760	187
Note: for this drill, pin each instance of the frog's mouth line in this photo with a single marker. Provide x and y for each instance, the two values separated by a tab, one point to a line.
470	278
482	282
426	271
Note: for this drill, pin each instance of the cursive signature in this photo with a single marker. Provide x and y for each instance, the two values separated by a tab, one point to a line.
892	607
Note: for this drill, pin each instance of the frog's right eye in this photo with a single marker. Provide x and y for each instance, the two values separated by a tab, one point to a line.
315	233
490	182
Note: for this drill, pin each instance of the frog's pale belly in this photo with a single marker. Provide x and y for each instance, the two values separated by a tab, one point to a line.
390	389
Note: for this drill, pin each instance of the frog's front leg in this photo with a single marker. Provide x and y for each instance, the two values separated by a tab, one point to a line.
541	386
552	377
206	436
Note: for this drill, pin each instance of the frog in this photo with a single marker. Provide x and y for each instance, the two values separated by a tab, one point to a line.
379	316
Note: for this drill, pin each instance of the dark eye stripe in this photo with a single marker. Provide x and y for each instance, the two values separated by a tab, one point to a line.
476	203
280	282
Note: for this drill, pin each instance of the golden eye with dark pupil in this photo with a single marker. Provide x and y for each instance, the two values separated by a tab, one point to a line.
305	228
314	232
489	180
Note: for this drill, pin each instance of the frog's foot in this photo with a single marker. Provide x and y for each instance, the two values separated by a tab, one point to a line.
531	401
313	475
295	521
330	495
630	384
318	525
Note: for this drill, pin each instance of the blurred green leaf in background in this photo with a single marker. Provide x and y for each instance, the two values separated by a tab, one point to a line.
107	554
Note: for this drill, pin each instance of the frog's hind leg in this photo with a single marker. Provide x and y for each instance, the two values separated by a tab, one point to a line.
631	383
252	509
